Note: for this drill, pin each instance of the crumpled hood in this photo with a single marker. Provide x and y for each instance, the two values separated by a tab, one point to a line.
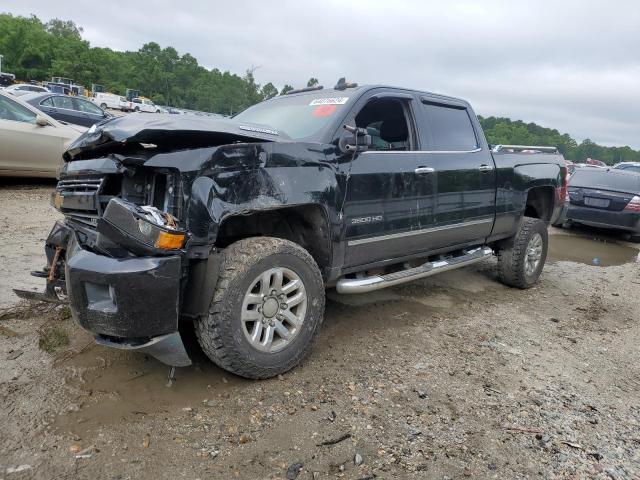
167	132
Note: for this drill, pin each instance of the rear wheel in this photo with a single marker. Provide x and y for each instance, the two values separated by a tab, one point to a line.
266	309
103	106
521	259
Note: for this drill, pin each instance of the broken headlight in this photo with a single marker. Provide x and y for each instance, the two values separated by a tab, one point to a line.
139	229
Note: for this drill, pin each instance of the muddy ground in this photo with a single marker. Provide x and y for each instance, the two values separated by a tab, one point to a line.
456	376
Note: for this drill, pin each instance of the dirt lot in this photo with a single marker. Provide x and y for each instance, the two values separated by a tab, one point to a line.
455	376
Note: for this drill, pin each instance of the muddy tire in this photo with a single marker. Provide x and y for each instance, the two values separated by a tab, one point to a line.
266	310
521	259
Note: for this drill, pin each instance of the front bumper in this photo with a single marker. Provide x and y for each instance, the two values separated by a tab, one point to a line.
127	303
595	217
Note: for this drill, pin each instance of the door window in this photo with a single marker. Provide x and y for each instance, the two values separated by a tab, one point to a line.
47	103
63	102
88	107
10	110
386	121
451	128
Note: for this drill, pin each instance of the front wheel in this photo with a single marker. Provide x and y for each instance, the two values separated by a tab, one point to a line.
521	259
103	106
266	310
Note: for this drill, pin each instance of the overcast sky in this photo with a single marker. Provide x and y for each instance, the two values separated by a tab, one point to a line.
571	65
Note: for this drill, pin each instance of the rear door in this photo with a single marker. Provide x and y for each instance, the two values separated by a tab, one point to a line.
388	184
64	110
465	171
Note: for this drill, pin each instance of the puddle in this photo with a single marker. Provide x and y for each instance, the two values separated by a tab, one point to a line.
571	248
126	387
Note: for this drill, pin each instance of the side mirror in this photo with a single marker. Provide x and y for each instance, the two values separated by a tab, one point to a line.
41	121
354	139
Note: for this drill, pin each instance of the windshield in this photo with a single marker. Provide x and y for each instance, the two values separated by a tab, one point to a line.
299	116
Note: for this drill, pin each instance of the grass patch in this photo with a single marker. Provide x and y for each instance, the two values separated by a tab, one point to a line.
53	338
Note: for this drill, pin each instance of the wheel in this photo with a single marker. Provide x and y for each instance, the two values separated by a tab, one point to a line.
267	307
634	237
521	259
137	109
157	111
103	106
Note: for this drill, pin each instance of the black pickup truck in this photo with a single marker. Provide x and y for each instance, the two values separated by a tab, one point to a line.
238	225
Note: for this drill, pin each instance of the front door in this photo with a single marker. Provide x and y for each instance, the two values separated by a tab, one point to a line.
25	146
389	188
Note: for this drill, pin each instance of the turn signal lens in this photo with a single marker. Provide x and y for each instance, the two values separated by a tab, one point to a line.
633	205
170	241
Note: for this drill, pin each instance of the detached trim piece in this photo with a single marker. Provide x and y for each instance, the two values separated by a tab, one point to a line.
168	348
368	284
411	233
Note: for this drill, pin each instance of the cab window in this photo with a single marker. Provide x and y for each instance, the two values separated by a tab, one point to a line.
386	120
450	127
63	102
10	110
88	107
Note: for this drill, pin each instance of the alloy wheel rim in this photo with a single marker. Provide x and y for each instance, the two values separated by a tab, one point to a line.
273	309
534	254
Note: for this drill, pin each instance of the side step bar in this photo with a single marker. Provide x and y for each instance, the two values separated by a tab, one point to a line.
376	282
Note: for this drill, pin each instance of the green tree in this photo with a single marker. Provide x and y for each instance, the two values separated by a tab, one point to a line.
285	89
269	91
312	82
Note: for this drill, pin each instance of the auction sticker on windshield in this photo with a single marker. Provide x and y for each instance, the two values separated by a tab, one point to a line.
329	101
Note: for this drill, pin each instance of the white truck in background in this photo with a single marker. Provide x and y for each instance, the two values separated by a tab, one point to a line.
110	100
141	104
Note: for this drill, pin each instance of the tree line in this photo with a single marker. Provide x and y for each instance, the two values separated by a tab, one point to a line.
34	50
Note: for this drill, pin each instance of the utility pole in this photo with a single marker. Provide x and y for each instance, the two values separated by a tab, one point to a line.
1	57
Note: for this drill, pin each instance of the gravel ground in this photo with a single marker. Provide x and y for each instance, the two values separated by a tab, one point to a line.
456	376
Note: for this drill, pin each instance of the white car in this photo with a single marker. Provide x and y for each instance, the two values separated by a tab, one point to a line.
19	89
145	105
32	142
110	100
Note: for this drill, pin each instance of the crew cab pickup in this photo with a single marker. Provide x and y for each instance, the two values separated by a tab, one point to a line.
237	226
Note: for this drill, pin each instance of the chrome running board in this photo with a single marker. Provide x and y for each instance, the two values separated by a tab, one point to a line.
376	282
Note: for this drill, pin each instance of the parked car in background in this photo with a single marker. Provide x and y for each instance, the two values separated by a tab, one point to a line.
145	105
6	79
76	110
109	100
19	89
32	142
628	166
605	198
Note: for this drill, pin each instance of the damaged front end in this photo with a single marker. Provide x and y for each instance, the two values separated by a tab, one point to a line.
122	254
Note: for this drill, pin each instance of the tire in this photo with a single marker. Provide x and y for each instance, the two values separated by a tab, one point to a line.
103	106
137	109
516	258
635	238
225	334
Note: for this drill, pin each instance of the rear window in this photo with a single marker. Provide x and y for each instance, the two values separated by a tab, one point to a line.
617	181
451	128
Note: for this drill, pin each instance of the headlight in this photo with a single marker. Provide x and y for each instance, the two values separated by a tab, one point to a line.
160	237
140	229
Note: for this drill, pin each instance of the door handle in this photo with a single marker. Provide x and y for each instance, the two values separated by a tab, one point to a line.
485	168
423	170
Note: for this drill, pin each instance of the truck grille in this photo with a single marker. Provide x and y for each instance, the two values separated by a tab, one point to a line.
83	186
81	198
